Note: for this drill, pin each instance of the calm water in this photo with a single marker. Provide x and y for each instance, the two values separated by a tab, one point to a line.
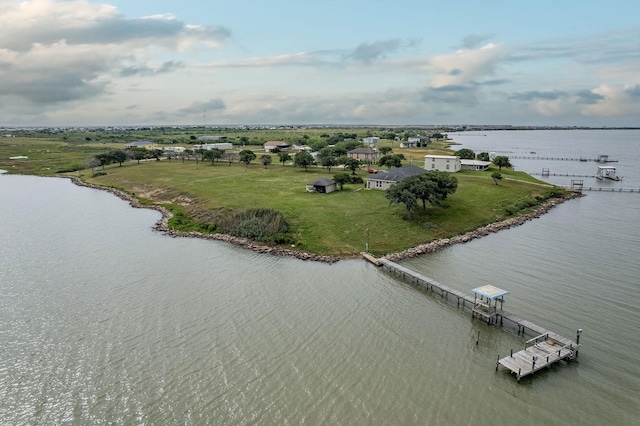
103	321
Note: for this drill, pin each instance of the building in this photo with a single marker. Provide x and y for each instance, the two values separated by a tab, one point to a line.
371	140
383	180
443	163
476	165
176	149
220	145
141	144
322	186
271	145
418	140
211	138
369	155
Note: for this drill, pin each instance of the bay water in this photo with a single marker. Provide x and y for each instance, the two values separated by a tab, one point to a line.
104	321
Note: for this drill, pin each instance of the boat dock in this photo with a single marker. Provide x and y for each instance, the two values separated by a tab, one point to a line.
542	350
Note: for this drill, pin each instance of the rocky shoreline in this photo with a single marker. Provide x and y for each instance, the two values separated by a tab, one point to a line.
162	226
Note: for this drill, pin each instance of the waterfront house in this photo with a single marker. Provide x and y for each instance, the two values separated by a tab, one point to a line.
443	163
383	180
476	165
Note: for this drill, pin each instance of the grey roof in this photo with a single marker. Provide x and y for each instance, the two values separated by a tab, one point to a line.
398	173
363	151
322	182
140	143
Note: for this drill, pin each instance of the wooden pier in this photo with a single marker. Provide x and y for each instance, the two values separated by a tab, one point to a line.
542	350
539	353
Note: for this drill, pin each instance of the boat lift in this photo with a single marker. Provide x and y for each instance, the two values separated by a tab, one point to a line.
607	172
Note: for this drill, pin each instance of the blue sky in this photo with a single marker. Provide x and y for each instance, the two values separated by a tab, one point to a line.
355	62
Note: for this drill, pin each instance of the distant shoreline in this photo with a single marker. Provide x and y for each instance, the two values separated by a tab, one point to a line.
162	226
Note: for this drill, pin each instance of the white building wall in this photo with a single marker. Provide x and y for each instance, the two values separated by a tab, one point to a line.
443	163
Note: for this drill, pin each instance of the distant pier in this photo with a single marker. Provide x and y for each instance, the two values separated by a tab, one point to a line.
541	351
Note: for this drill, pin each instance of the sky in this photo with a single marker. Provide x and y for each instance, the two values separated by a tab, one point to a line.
355	62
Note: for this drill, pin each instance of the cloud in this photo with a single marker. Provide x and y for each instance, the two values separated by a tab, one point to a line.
54	51
588	97
465	66
539	95
144	70
197	109
370	52
473	41
616	101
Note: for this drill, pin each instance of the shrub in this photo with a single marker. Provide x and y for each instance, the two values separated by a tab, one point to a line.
266	225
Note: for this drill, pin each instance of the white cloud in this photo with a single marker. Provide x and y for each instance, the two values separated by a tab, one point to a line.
465	66
617	100
54	51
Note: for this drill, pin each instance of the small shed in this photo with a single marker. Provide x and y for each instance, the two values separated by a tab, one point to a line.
322	186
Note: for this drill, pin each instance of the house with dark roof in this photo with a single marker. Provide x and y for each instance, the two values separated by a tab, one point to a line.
368	155
141	144
322	186
383	180
271	145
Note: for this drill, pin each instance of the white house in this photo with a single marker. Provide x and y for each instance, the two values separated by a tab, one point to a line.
211	138
476	165
444	163
371	140
176	149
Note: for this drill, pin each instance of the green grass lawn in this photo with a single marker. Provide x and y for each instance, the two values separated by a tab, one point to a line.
334	224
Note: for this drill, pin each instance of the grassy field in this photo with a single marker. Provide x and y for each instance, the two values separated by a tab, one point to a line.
333	224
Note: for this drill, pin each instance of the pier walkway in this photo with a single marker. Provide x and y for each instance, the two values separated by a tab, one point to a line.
543	350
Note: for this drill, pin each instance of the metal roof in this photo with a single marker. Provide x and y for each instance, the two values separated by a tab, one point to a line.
490	291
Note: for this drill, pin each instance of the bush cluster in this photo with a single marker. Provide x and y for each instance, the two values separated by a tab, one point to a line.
266	225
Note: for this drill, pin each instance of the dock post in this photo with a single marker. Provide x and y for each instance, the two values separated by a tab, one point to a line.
511	353
478	338
535	358
497	362
579	332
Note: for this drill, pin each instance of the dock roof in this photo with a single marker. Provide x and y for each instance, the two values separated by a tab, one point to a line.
490	292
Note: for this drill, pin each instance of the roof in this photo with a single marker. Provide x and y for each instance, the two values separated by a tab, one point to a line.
140	143
397	174
490	292
322	182
475	162
363	151
276	143
441	156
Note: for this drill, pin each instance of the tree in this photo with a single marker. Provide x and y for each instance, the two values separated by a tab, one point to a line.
398	194
244	140
329	162
104	159
432	187
501	161
212	154
352	164
466	154
303	159
192	137
483	156
247	156
446	184
139	154
266	160
119	156
384	150
496	176
284	156
341	179
390	160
